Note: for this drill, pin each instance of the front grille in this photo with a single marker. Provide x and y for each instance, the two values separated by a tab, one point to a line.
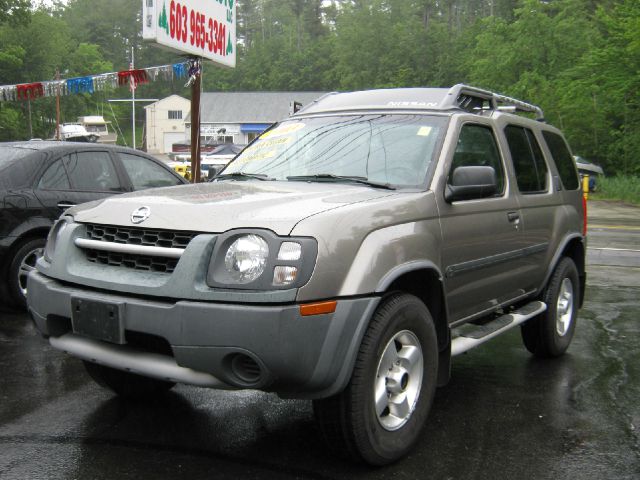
137	237
140	236
128	260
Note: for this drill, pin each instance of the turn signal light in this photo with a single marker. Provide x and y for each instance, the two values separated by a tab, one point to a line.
318	308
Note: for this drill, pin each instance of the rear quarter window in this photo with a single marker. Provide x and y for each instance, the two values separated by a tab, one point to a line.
18	166
563	160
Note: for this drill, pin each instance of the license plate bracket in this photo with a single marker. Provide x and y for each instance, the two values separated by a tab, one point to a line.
97	319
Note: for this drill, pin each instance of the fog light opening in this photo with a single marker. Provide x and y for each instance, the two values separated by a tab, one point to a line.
246	369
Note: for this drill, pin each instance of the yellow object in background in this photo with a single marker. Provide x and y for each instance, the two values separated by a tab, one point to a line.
585	186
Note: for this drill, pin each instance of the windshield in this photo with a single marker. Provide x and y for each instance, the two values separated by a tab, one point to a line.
383	148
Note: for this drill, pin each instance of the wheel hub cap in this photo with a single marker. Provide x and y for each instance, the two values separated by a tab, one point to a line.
28	264
398	380
564	307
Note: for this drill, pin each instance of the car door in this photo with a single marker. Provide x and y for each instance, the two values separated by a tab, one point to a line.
75	178
540	205
481	236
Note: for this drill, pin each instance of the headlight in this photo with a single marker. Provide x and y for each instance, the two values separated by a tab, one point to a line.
246	258
54	235
252	259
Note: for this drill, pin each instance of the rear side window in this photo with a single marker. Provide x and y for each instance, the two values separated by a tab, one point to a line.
145	173
528	162
92	172
564	161
18	166
55	178
477	147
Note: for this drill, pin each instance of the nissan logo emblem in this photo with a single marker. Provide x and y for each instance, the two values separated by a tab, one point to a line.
140	214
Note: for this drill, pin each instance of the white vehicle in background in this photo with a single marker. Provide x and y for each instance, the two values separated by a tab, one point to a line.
97	125
72	132
212	163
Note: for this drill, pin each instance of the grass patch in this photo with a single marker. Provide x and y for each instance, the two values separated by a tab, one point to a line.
625	189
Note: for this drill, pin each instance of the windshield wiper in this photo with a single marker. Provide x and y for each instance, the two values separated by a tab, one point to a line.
345	178
257	176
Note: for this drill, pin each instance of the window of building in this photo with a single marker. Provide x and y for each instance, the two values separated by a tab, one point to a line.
175	114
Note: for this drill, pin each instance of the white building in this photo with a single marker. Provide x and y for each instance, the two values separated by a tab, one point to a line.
239	117
165	123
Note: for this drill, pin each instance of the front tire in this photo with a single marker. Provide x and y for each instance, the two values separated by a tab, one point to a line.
550	333
381	413
23	261
125	384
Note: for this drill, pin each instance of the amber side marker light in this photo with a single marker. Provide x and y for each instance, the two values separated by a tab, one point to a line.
318	308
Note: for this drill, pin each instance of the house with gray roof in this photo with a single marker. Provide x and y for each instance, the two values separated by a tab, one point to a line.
239	117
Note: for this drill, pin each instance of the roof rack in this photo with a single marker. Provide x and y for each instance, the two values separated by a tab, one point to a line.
473	99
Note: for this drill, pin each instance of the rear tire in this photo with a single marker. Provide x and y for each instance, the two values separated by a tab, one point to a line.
23	261
550	333
125	384
379	416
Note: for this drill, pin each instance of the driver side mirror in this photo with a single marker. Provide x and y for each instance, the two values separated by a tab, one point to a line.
467	183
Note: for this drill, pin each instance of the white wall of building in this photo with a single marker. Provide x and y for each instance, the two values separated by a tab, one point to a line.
163	130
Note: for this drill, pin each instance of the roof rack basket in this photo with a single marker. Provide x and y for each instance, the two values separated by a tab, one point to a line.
473	99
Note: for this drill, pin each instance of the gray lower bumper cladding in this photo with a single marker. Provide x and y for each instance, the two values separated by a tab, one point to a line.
211	343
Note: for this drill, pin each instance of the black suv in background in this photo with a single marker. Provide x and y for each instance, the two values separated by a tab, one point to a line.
40	180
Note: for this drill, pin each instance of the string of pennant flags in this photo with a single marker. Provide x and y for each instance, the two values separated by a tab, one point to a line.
101	82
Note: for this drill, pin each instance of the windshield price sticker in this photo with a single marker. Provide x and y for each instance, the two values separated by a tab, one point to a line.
284	129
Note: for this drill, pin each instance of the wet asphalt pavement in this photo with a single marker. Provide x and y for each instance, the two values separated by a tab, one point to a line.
504	415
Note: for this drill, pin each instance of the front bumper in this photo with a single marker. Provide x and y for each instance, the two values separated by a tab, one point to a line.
296	356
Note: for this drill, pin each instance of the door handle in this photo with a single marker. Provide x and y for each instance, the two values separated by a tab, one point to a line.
514	217
65	205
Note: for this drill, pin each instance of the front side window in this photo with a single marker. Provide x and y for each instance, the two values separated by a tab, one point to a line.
383	148
175	114
144	173
528	162
563	159
477	147
92	171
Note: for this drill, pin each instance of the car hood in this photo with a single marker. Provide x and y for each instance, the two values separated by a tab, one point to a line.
222	206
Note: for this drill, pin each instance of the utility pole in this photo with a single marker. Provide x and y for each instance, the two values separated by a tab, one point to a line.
133	103
57	105
195	120
30	126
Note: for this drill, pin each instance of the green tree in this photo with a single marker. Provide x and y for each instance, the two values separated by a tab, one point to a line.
604	99
14	11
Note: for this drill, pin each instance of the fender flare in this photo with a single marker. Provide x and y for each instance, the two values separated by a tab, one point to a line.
556	257
399	270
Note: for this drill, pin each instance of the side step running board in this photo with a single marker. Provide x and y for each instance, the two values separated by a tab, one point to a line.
471	336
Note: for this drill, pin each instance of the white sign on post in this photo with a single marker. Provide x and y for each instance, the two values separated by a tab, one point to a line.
205	28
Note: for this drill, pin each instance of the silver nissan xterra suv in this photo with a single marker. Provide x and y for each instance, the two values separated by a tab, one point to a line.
345	256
